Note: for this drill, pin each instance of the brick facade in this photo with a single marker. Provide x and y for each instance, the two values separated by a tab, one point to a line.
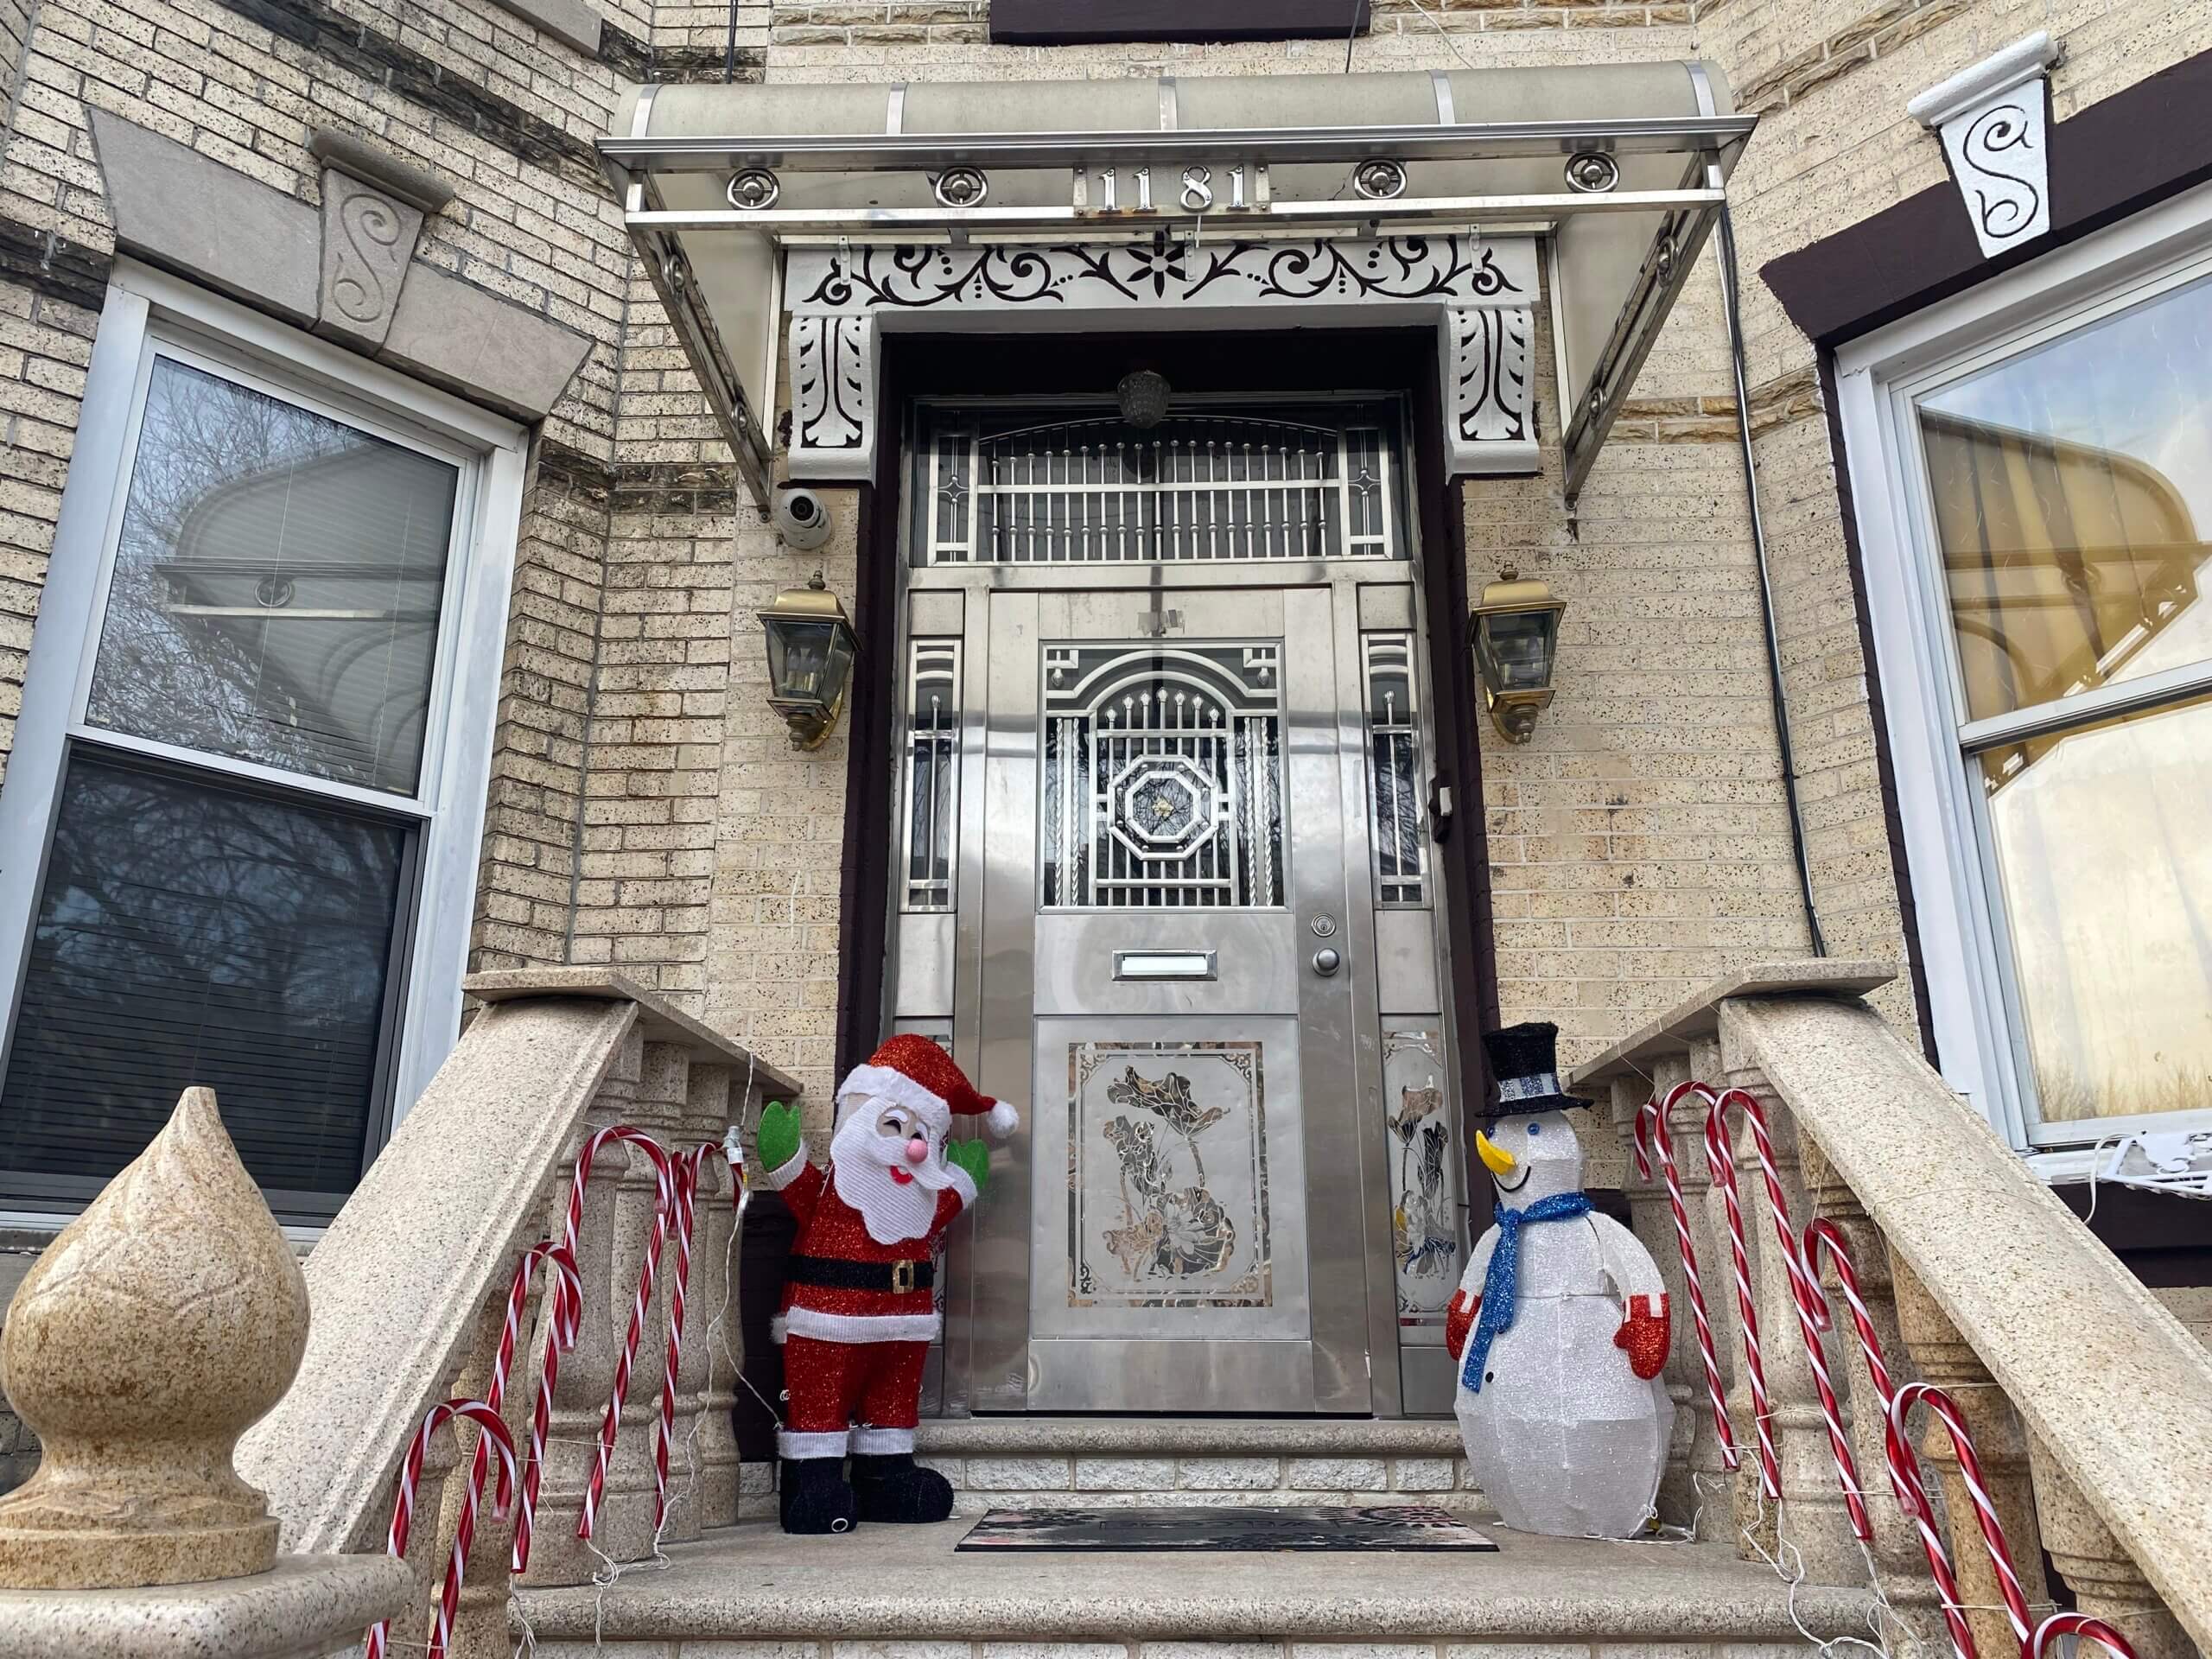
646	810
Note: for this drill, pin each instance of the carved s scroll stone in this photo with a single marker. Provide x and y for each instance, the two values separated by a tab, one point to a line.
367	239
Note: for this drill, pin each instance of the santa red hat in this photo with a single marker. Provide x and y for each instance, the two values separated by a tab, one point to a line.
917	1074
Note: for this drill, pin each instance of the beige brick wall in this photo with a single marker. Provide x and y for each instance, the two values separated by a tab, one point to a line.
543	232
646	810
45	344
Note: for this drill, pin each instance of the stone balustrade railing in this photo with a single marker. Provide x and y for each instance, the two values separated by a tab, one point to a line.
410	1283
2090	1405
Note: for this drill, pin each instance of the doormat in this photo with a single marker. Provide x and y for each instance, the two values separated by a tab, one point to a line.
1325	1527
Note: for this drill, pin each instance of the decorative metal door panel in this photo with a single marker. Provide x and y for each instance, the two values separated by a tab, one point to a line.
1164	876
1167	826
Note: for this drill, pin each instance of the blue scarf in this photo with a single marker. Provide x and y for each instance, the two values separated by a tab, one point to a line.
1502	1283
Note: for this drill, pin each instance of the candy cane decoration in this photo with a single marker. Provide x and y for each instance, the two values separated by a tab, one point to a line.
1651	1124
1913	1497
687	1169
494	1429
1723	1170
1825	1234
568	1294
1804	1293
2097	1629
610	1421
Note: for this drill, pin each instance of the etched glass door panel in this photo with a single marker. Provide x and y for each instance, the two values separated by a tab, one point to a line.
1163	777
1182	1158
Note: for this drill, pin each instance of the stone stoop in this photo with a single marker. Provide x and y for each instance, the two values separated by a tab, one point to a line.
1118	1462
902	1592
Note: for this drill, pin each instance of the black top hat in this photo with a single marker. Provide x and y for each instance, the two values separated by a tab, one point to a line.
1524	1059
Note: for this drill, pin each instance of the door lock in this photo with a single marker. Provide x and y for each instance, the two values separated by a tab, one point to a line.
1326	961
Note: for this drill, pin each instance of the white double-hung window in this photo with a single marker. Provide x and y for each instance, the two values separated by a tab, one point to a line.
240	822
2031	464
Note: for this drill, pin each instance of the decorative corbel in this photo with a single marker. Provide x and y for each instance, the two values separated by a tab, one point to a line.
373	208
1993	118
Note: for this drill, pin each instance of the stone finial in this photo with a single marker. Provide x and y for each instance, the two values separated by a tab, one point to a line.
161	1323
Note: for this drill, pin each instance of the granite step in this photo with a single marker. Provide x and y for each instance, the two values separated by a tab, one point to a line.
901	1593
1114	1462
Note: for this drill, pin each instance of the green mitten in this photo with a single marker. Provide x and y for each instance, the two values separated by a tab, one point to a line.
974	1157
780	1140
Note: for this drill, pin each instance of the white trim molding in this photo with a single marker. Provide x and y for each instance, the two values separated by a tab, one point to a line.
1994	120
1964	949
149	313
1481	292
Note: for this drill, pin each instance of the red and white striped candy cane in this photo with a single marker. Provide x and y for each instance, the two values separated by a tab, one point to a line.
1825	1234
560	1331
1723	1169
690	1169
568	1292
411	1475
689	1166
2097	1629
1804	1294
610	1421
1651	1126
1914	1503
568	1320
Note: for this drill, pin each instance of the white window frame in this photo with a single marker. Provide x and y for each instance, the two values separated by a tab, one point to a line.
149	313
1973	1003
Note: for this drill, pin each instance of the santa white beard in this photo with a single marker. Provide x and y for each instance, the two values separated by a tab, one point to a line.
861	1165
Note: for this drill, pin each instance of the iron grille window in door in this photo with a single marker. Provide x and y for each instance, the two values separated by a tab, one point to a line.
1163	777
1003	487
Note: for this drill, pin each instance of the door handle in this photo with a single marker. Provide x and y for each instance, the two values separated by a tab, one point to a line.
1326	961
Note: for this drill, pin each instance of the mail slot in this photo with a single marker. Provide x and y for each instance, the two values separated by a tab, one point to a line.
1163	964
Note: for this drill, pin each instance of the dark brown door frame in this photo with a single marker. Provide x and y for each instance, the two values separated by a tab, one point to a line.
1318	362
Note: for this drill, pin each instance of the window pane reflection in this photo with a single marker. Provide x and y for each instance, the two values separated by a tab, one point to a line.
191	934
276	586
2072	484
2107	871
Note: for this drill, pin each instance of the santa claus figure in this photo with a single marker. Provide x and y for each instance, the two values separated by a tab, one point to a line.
860	1306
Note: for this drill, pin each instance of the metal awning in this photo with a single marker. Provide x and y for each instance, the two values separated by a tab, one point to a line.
1617	169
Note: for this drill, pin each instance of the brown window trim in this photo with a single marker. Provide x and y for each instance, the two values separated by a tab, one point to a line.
1076	22
2112	159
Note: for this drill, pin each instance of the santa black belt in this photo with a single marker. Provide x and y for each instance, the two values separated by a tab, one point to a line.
829	1274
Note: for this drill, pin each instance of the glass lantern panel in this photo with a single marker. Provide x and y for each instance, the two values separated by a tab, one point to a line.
799	656
1519	649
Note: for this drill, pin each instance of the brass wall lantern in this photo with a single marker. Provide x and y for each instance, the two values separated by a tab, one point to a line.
811	651
1515	633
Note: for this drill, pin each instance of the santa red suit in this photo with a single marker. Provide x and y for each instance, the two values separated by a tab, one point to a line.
860	1308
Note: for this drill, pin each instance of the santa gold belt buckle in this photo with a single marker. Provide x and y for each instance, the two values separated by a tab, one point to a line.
902	1276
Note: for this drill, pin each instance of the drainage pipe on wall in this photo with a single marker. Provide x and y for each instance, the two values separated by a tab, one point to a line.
1779	697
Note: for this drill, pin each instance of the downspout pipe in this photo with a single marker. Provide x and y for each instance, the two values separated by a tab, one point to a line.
1777	695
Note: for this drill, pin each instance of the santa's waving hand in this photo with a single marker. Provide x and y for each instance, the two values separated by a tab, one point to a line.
859	1309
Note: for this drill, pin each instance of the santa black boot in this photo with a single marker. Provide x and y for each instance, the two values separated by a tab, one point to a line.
891	1487
814	1496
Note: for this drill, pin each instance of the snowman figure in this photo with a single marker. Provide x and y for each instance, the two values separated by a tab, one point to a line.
1559	1324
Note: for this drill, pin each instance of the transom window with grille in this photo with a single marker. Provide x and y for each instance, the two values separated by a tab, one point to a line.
242	821
1214	484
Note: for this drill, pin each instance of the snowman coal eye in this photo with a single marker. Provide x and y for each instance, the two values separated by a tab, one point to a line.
1535	1128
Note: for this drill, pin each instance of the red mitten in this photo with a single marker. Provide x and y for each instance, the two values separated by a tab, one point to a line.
1458	1319
1643	1336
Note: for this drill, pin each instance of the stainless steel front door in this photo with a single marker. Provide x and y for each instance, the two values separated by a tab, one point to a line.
1165	876
1167	789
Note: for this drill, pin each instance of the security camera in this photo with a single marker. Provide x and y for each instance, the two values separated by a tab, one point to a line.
802	519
